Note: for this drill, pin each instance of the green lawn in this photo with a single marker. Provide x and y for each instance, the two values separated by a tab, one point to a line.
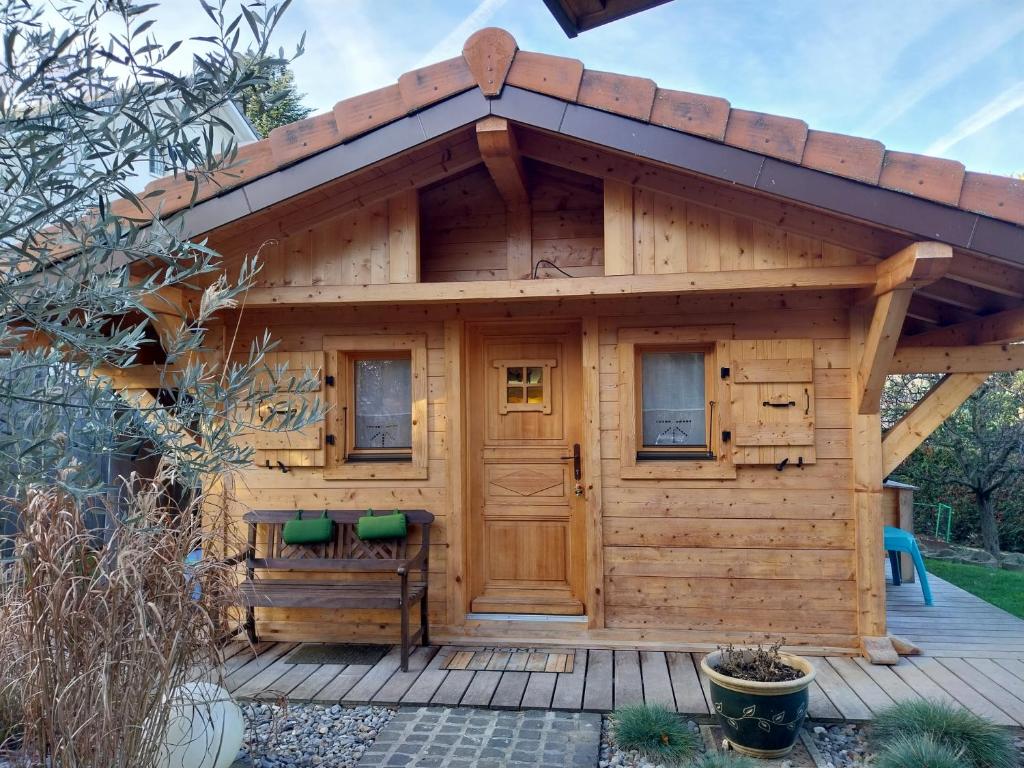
1002	588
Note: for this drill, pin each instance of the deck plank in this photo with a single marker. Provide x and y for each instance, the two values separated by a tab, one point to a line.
987	687
262	681
539	690
431	679
336	690
840	693
867	690
960	690
510	690
481	689
819	707
686	687
569	686
921	684
362	692
450	692
311	686
282	687
629	688
400	682
887	680
597	691
657	685
252	668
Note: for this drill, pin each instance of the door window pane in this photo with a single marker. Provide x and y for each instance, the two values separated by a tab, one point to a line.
673	402
383	403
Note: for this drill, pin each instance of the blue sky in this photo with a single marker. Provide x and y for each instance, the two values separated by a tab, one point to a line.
942	77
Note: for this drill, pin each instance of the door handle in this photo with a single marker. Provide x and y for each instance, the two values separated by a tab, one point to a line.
577	469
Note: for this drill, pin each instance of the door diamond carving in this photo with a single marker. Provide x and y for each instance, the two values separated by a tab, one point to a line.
528	482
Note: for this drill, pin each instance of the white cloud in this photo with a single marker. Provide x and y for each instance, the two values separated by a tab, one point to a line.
949	64
451	44
1009	100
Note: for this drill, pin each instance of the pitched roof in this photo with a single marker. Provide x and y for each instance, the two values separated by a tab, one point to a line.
491	61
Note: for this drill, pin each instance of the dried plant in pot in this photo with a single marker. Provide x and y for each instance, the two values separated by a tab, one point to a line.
760	697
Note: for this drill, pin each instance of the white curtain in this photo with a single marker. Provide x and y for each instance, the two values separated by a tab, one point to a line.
673	398
383	404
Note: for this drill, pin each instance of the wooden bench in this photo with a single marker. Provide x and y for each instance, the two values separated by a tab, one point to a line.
346	553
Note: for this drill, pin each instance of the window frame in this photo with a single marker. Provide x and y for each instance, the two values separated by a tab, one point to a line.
344	460
674	452
544	406
713	341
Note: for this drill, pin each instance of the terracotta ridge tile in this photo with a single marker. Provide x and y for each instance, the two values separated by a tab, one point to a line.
1001	197
622	94
435	82
933	178
303	138
849	156
360	114
691	113
488	54
554	76
773	135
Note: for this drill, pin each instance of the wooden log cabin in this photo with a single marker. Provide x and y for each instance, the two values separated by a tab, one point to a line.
626	344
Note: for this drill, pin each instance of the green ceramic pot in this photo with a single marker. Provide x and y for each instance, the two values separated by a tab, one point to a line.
760	719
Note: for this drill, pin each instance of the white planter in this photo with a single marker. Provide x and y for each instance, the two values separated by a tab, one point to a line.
204	728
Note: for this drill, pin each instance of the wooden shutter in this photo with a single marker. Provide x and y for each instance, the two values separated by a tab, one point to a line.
300	447
772	397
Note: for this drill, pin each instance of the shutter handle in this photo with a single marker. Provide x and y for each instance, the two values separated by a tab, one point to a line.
807	408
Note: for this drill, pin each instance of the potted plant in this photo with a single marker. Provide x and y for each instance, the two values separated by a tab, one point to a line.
760	697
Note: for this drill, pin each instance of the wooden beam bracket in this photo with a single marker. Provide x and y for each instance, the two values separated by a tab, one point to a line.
926	416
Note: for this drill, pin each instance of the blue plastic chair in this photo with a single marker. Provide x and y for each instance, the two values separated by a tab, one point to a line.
897	540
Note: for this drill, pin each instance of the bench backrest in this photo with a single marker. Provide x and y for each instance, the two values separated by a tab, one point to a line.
345	552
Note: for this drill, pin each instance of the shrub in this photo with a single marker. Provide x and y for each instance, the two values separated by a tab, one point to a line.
920	751
981	743
722	760
656	732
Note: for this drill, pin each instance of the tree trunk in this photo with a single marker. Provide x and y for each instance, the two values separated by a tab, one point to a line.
989	526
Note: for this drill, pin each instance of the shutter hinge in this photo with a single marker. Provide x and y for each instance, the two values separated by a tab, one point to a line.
726	435
329	381
725	372
330	440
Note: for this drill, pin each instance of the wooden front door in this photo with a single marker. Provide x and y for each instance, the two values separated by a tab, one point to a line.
526	544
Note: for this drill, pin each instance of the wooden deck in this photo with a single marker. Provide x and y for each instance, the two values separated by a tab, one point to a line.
974	656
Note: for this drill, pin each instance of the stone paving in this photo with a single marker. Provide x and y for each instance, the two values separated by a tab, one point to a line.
432	737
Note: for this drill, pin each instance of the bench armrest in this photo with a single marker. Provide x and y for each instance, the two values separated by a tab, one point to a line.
236	559
418	560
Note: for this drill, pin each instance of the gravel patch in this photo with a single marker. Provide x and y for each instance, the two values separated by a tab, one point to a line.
308	735
844	745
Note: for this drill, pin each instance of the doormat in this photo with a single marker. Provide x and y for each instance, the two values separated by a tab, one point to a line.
331	653
511	660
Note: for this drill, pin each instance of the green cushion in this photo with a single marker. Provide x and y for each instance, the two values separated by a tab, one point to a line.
316	530
371	526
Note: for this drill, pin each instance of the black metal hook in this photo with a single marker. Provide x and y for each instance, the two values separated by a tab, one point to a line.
782	464
282	466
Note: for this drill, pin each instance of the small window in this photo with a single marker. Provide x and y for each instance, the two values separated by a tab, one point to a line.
673	401
377	427
524	385
382	405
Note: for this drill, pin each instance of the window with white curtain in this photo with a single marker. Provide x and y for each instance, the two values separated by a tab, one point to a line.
673	401
383	404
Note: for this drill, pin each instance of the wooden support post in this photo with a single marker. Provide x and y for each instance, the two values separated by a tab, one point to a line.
896	278
978	359
497	142
455	437
618	228
592	473
500	154
879	346
867	507
926	416
404	237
